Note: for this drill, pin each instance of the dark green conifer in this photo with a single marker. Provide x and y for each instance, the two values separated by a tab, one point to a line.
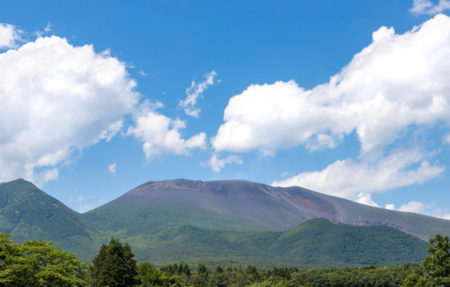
114	266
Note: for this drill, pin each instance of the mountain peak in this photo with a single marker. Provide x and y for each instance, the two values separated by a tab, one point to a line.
18	181
245	205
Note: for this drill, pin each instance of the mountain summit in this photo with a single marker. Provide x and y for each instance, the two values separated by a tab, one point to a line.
243	205
235	221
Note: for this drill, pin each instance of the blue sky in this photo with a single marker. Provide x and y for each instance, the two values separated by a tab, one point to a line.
344	97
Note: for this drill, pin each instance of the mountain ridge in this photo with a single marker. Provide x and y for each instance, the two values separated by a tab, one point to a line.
268	207
26	212
219	221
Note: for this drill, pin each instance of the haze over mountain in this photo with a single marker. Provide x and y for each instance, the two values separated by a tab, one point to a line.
244	205
218	221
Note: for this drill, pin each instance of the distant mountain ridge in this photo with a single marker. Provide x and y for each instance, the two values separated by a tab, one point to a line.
244	205
217	221
315	242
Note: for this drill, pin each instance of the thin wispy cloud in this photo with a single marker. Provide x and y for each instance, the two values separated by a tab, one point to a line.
194	92
429	7
358	180
216	163
112	168
419	207
46	30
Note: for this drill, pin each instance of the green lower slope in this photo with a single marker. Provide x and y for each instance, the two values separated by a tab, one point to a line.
137	219
319	240
316	242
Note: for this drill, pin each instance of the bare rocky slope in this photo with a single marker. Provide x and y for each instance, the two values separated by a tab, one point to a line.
243	205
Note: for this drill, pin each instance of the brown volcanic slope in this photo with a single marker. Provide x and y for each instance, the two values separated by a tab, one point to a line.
244	205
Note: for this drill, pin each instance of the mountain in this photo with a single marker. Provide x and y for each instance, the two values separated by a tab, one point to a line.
315	242
243	206
220	222
28	213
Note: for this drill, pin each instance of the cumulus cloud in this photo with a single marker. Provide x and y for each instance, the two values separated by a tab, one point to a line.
112	168
396	84
428	7
194	92
426	208
161	134
430	209
398	81
357	180
216	163
412	206
390	206
8	36
57	99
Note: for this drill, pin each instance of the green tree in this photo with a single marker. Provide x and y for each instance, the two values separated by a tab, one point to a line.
150	276
39	264
437	264
114	266
414	280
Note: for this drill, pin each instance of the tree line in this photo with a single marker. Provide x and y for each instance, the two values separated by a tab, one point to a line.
40	264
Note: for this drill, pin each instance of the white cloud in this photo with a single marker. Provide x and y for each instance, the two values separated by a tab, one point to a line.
390	206
428	7
398	81
425	208
46	30
85	203
216	163
143	73
8	36
161	135
56	99
358	180
194	92
112	168
83	198
413	206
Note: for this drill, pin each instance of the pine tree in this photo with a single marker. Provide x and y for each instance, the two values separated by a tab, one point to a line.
114	266
437	264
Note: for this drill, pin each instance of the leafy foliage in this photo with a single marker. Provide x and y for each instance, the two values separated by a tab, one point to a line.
39	264
293	276
150	276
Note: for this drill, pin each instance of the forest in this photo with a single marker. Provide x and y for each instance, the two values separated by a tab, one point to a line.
39	263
